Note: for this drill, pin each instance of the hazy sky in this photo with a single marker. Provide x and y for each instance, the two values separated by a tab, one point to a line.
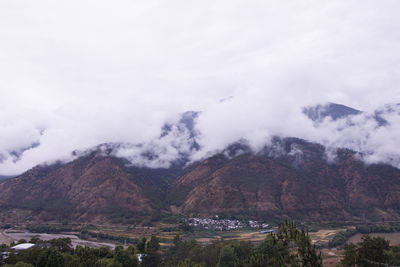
74	74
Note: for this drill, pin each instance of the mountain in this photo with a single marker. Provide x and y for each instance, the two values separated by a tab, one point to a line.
5	177
93	187
335	111
388	109
290	178
297	183
185	125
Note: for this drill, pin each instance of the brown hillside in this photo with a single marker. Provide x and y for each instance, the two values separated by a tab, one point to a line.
86	189
290	179
303	186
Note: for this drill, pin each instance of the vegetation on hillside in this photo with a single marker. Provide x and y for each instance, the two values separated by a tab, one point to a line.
371	251
289	246
343	236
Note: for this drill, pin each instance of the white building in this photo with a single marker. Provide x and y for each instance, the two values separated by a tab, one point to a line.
23	246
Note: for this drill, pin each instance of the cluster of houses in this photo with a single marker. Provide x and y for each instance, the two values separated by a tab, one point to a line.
224	224
216	224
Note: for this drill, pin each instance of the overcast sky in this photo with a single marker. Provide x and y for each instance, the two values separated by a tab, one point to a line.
74	74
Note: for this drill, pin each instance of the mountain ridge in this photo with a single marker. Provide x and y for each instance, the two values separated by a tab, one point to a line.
287	178
103	188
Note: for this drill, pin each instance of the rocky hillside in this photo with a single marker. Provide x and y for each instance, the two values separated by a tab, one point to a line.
92	188
297	183
289	179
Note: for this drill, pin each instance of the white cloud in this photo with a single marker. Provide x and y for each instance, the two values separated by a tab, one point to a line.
90	72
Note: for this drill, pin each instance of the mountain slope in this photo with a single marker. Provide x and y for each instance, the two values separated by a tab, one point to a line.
333	110
303	186
290	178
91	188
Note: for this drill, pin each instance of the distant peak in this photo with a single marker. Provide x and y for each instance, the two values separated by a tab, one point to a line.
333	110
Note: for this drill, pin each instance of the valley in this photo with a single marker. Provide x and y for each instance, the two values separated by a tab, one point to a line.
111	235
236	195
199	133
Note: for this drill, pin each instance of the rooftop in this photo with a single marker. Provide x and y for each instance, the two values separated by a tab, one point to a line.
23	246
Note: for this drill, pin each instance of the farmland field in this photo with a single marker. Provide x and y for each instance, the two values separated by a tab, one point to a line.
394	238
323	236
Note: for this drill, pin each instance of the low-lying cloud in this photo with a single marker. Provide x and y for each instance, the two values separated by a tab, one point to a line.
78	74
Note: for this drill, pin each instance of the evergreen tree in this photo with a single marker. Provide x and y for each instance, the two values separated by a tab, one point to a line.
19	264
372	249
55	259
86	255
152	257
141	246
227	257
106	262
126	257
50	258
350	255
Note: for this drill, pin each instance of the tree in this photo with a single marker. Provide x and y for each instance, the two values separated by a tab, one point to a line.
152	258
131	250
189	263
350	255
12	258
307	251
279	249
87	256
55	259
19	264
105	262
242	249
154	243
105	252
34	240
372	249
227	257
62	244
72	260
394	255
30	256
182	250
50	258
141	246
126	257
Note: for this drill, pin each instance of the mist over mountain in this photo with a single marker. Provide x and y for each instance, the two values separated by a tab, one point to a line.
289	178
332	110
125	73
127	111
186	138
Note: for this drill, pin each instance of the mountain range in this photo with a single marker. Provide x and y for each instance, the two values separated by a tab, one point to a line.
288	178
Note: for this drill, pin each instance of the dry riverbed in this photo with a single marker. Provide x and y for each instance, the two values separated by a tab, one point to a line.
9	235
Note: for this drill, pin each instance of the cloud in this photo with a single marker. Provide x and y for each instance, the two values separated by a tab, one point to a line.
82	73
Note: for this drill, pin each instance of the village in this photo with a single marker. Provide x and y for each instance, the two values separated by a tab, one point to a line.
224	224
